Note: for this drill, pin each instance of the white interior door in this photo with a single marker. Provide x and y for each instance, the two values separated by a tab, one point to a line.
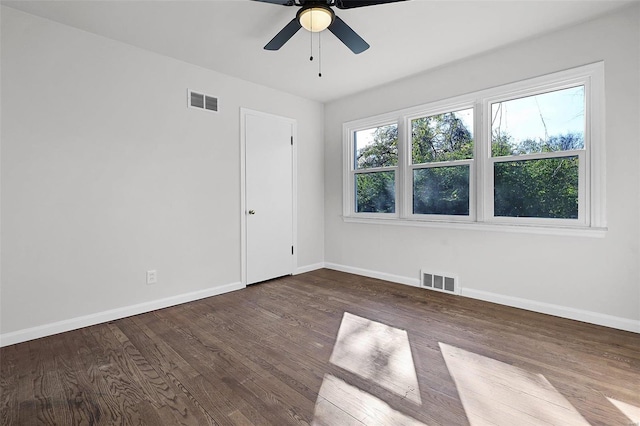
268	196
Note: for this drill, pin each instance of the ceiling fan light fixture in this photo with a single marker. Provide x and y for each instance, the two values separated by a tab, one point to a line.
316	18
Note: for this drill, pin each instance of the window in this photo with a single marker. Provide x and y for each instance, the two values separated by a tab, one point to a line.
374	169
538	154
441	157
529	153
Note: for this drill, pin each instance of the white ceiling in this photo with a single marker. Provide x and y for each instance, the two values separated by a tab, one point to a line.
406	37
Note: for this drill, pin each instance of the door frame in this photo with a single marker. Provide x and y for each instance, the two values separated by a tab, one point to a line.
244	112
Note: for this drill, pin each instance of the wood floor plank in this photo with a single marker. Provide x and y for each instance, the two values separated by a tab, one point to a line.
184	406
263	356
12	378
77	387
156	386
220	386
253	374
47	398
119	383
207	391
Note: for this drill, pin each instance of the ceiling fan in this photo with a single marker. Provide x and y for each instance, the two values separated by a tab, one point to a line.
317	15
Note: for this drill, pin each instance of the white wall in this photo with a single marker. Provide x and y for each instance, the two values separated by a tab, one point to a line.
593	279
107	174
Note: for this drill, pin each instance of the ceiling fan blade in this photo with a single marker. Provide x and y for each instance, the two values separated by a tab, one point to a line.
282	2
349	37
284	35
350	4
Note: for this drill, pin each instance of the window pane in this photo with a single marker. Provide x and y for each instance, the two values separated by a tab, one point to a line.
442	137
441	190
376	192
547	122
377	147
545	188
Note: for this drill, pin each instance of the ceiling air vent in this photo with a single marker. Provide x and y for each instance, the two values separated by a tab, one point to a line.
202	101
445	283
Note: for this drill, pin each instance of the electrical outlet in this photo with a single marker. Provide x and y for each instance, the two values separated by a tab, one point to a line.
152	277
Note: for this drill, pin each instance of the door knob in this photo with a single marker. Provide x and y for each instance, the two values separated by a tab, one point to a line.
252	212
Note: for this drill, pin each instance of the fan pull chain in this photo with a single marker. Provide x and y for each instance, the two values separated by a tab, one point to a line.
319	54
311	38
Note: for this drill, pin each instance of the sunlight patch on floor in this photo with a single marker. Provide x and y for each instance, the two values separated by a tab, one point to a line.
339	403
495	393
377	352
631	411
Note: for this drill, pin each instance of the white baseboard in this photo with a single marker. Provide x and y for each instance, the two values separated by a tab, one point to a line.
556	310
515	302
415	282
112	314
308	268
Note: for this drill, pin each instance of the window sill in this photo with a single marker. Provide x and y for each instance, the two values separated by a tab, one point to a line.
574	231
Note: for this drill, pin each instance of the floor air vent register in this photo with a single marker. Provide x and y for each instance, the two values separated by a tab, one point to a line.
445	283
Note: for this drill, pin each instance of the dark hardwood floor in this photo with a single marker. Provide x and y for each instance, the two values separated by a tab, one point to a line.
327	348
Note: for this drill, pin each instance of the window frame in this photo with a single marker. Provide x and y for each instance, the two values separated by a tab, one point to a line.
349	156
591	219
457	104
522	90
